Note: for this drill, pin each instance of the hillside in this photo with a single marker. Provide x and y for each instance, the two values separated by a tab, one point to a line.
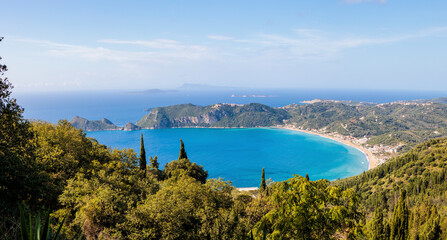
421	172
399	123
441	100
217	115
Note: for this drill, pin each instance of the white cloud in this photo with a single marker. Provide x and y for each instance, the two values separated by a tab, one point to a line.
312	44
157	44
219	37
302	44
167	63
161	50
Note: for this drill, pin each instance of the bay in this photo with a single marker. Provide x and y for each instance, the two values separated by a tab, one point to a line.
239	154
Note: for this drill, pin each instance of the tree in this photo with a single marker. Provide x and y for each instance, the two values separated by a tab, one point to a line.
263	184
377	226
154	168
154	163
384	201
101	199
19	178
309	210
432	229
399	223
142	155
182	154
14	130
184	209
178	168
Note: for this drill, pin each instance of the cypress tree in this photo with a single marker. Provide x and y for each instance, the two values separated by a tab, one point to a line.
142	155
432	229
307	177
182	154
400	221
386	230
377	231
263	184
384	202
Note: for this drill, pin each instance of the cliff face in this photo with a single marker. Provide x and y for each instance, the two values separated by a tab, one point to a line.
217	115
95	125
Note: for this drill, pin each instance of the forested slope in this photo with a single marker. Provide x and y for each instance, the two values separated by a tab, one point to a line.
422	174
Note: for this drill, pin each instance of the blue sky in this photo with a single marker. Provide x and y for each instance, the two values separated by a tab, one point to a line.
343	44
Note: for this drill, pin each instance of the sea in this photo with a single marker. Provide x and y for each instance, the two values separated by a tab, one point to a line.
236	155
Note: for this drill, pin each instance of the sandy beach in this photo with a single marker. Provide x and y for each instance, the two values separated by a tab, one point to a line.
372	160
248	189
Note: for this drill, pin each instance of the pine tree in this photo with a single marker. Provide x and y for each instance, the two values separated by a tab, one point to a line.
263	184
142	155
400	221
182	154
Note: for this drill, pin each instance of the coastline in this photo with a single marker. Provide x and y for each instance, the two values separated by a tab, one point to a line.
372	160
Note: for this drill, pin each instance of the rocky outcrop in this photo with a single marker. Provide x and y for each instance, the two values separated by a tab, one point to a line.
131	127
95	125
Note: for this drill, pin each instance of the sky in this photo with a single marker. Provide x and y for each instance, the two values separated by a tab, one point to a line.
330	44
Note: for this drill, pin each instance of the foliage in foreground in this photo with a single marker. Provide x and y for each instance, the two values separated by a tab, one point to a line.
39	230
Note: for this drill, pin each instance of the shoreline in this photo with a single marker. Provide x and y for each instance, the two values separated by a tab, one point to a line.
372	160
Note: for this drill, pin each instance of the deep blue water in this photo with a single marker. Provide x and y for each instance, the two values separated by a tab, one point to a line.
123	106
239	155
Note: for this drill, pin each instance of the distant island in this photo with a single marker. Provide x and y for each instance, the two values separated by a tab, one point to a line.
100	125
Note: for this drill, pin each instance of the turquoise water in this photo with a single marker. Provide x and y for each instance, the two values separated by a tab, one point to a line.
239	155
